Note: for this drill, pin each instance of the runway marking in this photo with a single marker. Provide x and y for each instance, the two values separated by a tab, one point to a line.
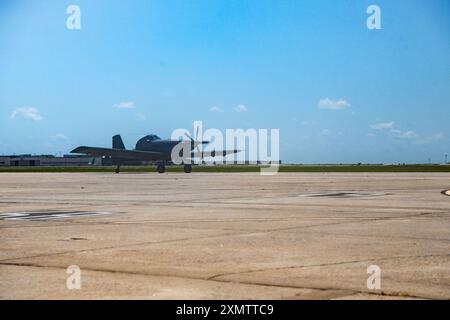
43	216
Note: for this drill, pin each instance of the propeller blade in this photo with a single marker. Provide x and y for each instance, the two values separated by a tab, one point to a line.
187	135
194	142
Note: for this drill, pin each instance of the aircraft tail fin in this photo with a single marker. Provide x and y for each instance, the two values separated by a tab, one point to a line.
117	142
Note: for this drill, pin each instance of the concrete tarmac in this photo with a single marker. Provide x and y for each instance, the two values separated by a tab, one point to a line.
225	235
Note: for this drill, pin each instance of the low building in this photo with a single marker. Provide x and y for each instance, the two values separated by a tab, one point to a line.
27	160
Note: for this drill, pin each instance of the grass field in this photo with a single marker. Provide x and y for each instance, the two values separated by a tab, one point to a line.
242	168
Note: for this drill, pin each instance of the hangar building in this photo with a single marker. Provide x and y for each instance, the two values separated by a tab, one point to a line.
27	160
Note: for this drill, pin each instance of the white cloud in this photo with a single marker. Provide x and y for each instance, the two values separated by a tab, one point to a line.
26	113
325	132
140	116
383	125
409	134
240	108
215	109
308	123
437	137
333	104
393	131
304	122
61	136
124	105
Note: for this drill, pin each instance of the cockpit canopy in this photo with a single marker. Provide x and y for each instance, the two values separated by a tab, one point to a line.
143	142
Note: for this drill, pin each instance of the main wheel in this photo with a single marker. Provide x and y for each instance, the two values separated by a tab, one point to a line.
161	168
187	168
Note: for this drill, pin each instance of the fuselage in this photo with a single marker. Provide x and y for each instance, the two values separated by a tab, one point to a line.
155	144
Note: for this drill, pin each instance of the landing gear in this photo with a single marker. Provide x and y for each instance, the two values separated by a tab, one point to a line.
161	168
118	169
187	168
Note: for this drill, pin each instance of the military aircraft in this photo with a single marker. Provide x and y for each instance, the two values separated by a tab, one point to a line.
152	148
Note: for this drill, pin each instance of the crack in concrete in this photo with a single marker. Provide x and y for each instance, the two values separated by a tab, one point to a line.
345	291
116	247
375	236
217	201
324	265
214	236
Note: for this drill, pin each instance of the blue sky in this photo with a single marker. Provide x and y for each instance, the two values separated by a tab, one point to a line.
337	91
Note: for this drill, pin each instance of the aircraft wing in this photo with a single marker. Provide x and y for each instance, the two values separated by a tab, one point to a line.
207	154
119	153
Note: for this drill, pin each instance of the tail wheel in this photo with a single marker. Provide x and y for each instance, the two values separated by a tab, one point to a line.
161	168
187	168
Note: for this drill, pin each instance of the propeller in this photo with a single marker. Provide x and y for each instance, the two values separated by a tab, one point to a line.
194	142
